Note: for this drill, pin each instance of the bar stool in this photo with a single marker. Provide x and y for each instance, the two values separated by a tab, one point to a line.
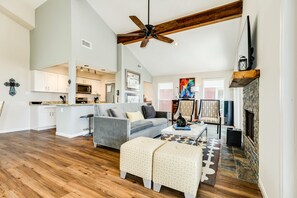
90	117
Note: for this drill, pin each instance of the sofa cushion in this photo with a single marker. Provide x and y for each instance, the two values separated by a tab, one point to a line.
117	113
148	111
140	125
134	116
158	121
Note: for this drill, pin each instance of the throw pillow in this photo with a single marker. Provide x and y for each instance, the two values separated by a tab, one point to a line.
134	116
148	111
117	113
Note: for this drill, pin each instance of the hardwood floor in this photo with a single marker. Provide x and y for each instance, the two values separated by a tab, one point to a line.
40	164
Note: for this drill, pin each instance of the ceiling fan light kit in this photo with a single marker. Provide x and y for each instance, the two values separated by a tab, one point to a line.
149	31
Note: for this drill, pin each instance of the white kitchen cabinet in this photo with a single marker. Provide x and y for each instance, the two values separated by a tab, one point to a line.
62	83
51	81
38	81
95	86
44	81
43	117
84	81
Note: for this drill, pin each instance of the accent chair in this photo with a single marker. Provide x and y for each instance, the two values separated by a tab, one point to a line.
209	113
186	107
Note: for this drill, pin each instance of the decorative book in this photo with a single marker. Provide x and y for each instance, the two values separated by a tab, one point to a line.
186	128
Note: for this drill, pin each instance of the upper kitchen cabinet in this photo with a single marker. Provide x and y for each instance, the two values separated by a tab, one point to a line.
71	30
44	81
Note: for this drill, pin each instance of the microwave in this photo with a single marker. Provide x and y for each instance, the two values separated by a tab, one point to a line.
83	89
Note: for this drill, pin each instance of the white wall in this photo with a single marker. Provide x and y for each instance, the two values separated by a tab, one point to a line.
288	69
269	96
19	11
267	27
14	63
199	77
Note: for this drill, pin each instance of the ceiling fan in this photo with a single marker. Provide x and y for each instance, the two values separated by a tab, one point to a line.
149	31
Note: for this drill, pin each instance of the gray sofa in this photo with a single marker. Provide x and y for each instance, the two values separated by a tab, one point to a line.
114	131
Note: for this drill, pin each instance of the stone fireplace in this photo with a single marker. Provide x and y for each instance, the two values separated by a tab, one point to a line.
251	124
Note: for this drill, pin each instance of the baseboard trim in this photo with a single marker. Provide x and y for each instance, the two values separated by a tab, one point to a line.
262	189
43	128
14	130
67	135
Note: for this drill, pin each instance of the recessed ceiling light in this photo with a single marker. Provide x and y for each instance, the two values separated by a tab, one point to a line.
175	43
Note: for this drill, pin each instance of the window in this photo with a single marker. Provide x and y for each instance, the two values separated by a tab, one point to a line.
165	96
214	89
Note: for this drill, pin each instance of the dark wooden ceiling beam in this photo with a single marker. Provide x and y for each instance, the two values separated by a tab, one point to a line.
214	15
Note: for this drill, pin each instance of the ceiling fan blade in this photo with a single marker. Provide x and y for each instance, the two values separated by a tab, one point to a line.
136	20
163	38
131	34
144	42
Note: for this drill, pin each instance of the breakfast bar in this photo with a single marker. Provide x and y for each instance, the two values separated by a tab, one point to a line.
68	121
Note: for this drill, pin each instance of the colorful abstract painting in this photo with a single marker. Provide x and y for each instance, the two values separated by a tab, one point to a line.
185	85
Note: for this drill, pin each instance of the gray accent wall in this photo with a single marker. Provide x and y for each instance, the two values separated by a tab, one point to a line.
88	25
127	60
60	27
50	41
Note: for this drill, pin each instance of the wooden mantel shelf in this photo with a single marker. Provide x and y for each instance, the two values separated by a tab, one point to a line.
243	78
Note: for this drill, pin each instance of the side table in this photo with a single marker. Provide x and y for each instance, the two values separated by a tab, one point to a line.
234	137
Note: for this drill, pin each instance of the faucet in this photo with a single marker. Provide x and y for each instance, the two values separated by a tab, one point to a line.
63	99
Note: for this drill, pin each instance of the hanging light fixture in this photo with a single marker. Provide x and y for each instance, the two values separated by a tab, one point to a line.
81	69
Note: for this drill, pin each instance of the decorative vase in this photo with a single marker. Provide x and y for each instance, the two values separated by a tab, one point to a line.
181	122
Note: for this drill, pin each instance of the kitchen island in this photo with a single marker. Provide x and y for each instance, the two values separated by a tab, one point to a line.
68	121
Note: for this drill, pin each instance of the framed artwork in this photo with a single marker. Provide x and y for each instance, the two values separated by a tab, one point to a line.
132	81
132	98
185	85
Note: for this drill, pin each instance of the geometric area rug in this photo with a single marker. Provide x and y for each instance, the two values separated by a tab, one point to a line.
211	157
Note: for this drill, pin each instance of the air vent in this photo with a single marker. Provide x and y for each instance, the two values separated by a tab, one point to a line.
86	44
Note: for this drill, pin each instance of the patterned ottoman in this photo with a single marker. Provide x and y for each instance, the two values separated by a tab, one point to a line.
136	158
178	166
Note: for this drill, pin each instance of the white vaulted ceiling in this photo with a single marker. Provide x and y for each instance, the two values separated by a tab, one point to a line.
208	48
205	49
34	3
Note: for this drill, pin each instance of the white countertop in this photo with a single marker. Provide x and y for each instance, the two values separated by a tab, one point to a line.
76	105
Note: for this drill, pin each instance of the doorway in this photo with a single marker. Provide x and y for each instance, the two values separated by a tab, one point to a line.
110	93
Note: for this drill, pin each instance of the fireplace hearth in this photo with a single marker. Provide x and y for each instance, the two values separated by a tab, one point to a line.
249	125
